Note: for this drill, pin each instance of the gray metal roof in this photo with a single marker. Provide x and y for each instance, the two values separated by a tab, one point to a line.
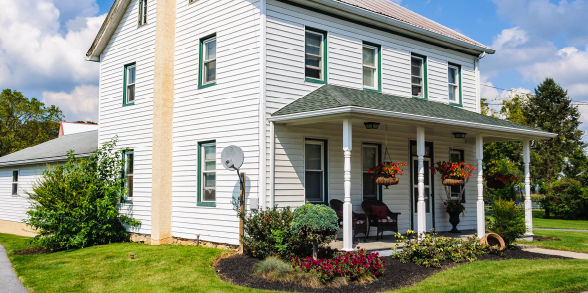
83	144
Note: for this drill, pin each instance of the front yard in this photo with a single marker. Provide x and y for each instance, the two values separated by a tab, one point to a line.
109	268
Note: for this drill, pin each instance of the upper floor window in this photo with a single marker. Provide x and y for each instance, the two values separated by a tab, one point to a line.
315	56
454	84
142	12
129	81
207	61
15	182
129	165
207	173
418	72
371	67
315	166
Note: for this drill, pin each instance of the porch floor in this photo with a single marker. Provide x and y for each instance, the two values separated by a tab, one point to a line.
386	243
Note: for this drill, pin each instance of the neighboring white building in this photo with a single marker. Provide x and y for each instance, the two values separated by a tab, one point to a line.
291	82
20	170
66	128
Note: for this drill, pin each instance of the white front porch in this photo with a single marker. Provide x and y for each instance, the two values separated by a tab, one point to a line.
420	144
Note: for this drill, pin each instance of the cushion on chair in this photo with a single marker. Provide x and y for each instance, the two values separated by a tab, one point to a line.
340	213
359	222
387	220
380	211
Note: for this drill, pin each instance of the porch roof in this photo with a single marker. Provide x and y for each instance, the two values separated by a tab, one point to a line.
332	99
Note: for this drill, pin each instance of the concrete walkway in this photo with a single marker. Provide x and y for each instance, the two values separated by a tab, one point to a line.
570	254
9	283
554	229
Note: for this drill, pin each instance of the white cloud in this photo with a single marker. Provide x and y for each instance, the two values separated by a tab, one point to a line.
82	102
43	45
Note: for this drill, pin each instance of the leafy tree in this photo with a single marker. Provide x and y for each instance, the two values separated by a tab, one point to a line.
78	204
316	223
25	122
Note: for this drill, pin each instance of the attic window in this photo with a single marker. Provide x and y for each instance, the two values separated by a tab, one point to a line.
142	12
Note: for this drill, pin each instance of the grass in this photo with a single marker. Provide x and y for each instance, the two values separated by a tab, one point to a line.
509	276
560	224
569	240
108	268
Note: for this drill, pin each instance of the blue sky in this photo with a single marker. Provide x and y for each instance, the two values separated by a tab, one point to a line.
43	43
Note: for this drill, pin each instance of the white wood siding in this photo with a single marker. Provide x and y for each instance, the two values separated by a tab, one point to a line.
14	207
132	124
289	180
227	112
285	58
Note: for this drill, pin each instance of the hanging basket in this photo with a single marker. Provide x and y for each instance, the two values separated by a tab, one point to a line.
387	181
453	182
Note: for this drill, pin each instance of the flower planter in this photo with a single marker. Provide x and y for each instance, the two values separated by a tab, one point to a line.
454	220
387	181
453	182
494	239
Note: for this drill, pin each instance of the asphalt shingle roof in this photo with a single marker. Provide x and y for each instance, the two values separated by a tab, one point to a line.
332	96
82	144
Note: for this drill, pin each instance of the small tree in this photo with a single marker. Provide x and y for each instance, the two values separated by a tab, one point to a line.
508	220
315	223
77	205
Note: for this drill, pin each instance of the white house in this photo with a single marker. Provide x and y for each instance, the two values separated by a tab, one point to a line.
19	171
292	82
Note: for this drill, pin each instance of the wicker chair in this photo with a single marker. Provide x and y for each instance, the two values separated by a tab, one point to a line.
359	220
389	223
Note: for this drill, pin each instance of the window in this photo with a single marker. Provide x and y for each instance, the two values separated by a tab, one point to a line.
207	173
129	90
315	179
418	72
371	67
315	56
129	165
15	182
207	61
454	84
142	12
456	155
370	155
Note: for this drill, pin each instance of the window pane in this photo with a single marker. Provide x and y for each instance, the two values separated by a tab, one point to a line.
210	166
210	152
369	157
416	66
14	176
368	77
210	71
313	73
369	57
313	157
130	162
130	186
131	74
313	42
370	189
210	50
313	61
209	180
131	93
452	73
314	186
417	91
451	93
209	195
14	189
416	80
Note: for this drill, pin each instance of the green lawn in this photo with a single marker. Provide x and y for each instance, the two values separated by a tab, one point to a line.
108	268
569	240
509	276
560	224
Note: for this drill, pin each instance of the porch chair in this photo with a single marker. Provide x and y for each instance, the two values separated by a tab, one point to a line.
380	216
359	222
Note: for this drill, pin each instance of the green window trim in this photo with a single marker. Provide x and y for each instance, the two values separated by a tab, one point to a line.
199	184
325	56
201	84
125	103
379	47
425	78
125	199
460	104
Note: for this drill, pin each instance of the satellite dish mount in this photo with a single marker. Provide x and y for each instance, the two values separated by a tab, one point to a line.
232	158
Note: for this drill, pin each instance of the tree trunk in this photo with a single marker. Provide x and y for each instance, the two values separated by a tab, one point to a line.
314	249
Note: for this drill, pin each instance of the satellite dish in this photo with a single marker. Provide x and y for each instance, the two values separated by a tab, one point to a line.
232	157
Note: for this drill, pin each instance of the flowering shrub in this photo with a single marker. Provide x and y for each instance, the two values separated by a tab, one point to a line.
350	265
432	250
502	173
388	169
455	170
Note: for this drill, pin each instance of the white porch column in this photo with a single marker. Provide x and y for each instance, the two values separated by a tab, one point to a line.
421	207
347	208
481	214
528	203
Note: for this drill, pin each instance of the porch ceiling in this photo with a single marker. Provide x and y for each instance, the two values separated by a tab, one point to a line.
330	101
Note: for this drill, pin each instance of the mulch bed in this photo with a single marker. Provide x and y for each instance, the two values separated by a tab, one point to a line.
34	250
238	270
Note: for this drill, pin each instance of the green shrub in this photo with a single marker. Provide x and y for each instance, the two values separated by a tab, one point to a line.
77	204
267	233
433	250
568	200
316	223
507	221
